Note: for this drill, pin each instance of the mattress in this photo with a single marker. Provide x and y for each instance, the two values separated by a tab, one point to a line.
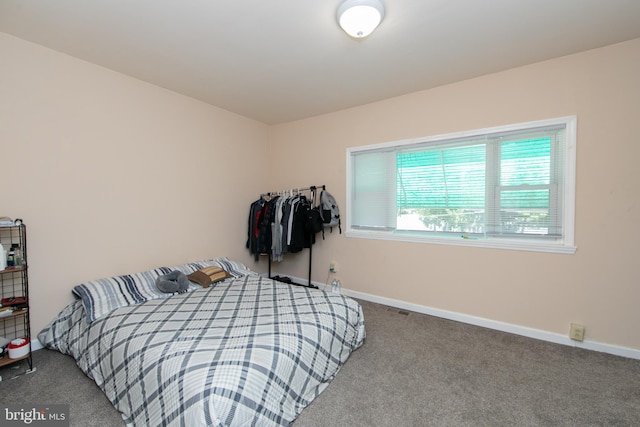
244	351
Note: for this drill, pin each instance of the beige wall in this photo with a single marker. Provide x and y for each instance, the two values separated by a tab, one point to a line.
113	175
598	286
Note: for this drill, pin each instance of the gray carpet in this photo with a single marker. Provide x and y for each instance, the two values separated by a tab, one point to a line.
414	370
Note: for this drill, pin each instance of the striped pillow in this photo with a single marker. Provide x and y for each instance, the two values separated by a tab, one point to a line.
102	296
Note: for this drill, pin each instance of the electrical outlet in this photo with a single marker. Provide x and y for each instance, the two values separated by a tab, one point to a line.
577	332
332	267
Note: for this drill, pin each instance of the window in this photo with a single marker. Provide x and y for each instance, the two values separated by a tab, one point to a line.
509	187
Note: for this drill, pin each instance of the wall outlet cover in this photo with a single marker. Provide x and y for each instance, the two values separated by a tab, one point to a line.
577	332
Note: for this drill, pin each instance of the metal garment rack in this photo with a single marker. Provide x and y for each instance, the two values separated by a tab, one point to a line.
293	191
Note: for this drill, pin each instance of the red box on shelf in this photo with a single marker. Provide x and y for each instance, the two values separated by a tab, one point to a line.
11	301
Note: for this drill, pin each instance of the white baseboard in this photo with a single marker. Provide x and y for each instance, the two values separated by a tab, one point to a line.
36	344
488	323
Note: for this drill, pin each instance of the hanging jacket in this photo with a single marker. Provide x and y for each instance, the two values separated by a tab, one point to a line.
256	210
276	231
300	235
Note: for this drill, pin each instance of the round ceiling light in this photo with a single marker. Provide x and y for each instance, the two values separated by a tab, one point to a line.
359	18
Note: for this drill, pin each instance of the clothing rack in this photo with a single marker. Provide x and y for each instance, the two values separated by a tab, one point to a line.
294	191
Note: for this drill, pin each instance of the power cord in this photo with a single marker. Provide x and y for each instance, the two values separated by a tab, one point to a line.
326	282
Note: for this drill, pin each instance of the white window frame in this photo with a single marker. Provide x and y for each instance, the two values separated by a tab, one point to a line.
565	245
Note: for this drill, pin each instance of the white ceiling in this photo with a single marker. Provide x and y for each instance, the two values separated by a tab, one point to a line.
282	60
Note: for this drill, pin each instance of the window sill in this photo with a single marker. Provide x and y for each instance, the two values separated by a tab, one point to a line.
492	243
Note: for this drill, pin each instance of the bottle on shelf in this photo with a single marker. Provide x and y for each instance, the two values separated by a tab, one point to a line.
11	257
18	259
3	258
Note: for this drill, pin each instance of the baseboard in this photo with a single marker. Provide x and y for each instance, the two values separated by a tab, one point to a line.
36	344
539	334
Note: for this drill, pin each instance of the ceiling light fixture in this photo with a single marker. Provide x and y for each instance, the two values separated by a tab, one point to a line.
359	18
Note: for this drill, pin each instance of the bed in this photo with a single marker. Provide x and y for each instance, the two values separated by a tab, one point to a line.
244	351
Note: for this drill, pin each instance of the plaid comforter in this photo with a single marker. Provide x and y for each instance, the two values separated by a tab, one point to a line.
247	351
